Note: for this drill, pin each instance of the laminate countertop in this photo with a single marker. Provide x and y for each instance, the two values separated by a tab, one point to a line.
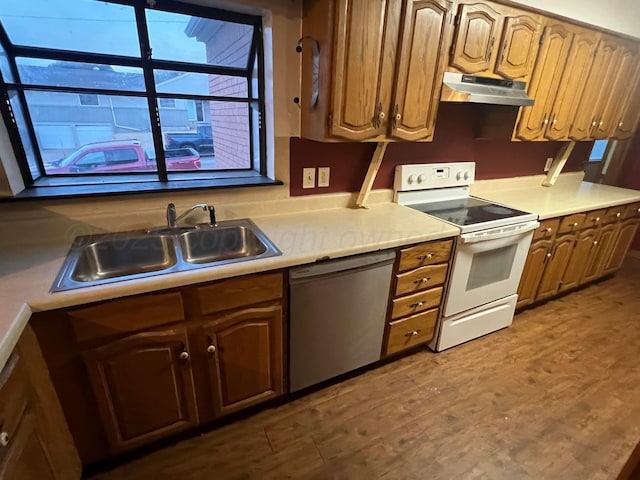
28	272
569	195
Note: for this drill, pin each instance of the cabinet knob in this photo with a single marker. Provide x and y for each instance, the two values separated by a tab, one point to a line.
549	255
596	220
638	210
381	115
620	125
594	123
4	439
184	355
421	280
428	256
595	242
554	121
574	224
618	215
548	230
211	349
600	123
545	121
417	304
412	333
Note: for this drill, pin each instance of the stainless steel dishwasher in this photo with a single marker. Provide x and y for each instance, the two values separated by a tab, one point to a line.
337	316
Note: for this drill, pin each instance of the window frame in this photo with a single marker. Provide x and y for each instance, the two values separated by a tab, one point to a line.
255	174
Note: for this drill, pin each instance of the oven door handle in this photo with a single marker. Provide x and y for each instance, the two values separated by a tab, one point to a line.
500	232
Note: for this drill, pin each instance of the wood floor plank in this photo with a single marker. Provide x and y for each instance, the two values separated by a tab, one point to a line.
556	395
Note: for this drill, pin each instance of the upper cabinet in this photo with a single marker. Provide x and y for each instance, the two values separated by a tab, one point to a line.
377	73
372	71
495	40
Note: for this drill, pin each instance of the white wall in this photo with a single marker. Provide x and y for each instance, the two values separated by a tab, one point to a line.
618	15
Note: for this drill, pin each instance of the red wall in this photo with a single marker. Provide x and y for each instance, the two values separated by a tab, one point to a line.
455	141
630	175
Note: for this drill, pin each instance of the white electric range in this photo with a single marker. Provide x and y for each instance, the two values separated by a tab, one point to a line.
489	255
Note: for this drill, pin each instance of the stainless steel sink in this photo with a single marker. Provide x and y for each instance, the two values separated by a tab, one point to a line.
217	244
98	259
117	257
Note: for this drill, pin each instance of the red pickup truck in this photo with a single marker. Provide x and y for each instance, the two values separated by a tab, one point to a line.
119	157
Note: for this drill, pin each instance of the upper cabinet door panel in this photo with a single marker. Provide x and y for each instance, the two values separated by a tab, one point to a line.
547	75
630	113
419	77
519	46
572	86
479	28
617	100
597	90
366	38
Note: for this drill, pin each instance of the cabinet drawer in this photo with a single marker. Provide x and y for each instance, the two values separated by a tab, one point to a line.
411	331
239	292
421	279
547	229
632	210
595	218
614	213
418	302
425	254
572	223
126	315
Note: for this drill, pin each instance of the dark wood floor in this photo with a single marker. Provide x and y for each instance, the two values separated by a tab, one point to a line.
555	396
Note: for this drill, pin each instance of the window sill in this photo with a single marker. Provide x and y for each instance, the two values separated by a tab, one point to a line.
106	186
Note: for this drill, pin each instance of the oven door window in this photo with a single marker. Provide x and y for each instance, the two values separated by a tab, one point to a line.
491	266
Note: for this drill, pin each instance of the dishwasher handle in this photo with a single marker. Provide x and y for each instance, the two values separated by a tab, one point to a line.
339	266
500	232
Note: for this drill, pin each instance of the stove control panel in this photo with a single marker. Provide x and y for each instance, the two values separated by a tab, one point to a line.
425	176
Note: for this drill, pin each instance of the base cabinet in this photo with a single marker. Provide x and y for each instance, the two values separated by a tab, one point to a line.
539	254
35	443
620	245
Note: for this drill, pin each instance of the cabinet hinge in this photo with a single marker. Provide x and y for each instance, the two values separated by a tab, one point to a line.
542	38
452	49
456	19
329	120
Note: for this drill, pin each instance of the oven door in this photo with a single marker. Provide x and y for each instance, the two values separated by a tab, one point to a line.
487	266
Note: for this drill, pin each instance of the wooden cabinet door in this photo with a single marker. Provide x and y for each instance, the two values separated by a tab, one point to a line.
539	254
479	28
599	253
621	99
419	74
366	36
582	249
143	386
596	94
620	245
572	86
630	112
547	76
245	357
26	456
556	266
519	45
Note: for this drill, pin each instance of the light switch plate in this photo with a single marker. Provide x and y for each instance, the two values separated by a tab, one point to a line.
308	178
547	165
323	176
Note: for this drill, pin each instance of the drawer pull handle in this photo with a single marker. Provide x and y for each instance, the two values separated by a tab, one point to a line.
422	280
574	224
428	256
618	214
417	304
638	210
412	334
597	219
4	439
211	349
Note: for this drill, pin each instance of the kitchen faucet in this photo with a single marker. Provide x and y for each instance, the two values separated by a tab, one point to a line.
172	220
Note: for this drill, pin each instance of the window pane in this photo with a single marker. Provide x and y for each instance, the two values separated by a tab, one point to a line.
81	25
217	131
35	71
24	135
114	136
597	151
4	66
168	81
184	38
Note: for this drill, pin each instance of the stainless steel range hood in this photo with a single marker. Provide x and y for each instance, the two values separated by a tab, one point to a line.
458	87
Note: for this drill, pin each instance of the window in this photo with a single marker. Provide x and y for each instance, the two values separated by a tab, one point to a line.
169	95
88	99
598	150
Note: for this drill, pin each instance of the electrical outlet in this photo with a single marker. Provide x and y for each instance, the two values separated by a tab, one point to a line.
308	178
323	176
547	165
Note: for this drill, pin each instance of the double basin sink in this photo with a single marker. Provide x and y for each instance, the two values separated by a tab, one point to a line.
100	259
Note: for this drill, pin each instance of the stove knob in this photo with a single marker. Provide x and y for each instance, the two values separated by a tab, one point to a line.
466	175
420	178
411	179
459	176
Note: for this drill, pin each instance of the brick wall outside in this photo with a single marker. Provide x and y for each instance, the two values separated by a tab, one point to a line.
229	120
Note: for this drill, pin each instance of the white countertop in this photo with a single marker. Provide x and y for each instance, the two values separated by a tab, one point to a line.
27	273
569	195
